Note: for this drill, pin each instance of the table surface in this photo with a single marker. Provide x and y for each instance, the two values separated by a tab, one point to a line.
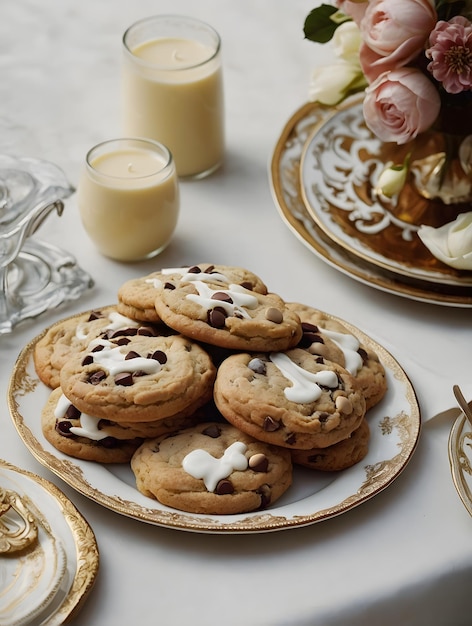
403	557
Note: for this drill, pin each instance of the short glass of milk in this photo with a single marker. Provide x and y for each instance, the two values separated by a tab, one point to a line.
172	90
128	198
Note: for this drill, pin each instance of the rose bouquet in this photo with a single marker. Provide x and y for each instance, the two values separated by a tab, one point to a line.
413	61
413	57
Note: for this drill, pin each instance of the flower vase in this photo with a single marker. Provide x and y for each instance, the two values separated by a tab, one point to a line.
445	174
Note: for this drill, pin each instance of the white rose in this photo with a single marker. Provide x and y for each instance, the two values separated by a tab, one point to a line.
451	243
347	41
392	179
330	83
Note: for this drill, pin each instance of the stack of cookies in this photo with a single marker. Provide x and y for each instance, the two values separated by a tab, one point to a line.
210	386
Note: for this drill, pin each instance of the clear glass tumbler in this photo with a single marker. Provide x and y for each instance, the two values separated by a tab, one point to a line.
129	198
172	90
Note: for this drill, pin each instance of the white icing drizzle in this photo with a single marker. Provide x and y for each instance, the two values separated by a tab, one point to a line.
113	360
117	321
188	277
88	425
349	346
200	464
304	384
240	296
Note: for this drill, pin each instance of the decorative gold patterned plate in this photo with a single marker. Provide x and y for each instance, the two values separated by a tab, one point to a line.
340	165
313	497
460	459
47	581
286	186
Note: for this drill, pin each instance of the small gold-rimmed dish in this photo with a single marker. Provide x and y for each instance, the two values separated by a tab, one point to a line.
49	578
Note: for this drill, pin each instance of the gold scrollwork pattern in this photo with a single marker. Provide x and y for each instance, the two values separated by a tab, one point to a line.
18	528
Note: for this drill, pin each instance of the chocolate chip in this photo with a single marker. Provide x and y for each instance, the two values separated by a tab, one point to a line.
63	428
72	412
257	365
310	335
87	360
264	492
122	341
96	377
217	317
363	354
95	315
270	424
159	356
168	285
211	270
323	417
224	487
124	332
310	328
194	270
98	348
274	315
247	285
291	439
132	354
213	431
125	379
223	296
258	462
147	331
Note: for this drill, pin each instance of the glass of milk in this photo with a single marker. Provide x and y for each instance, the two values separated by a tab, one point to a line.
172	90
128	198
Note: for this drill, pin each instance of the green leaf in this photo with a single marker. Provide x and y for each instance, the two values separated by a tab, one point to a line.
319	26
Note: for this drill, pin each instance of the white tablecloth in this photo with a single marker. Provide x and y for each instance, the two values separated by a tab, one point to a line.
405	556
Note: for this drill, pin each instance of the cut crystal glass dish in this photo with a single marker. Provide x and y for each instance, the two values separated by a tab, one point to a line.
34	275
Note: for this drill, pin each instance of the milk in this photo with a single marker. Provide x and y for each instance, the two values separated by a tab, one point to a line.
129	198
172	91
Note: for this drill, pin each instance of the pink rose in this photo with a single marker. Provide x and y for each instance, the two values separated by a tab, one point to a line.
355	10
394	32
400	104
451	54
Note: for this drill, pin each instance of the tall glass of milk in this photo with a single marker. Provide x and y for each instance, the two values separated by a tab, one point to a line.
172	90
128	198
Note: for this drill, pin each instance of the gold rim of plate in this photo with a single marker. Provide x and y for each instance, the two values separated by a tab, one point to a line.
395	425
460	461
287	192
86	553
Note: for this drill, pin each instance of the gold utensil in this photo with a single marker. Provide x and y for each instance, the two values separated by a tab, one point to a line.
462	403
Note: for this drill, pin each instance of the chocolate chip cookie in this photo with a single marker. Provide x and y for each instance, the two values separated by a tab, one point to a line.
138	378
69	336
291	399
136	297
339	456
232	317
322	331
213	469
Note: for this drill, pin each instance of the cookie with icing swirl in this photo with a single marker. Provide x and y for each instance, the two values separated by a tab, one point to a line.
291	399
212	468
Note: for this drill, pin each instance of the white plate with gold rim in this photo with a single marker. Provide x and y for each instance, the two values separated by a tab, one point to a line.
48	581
460	459
286	188
313	496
